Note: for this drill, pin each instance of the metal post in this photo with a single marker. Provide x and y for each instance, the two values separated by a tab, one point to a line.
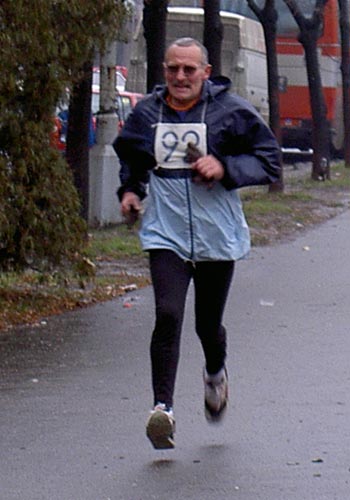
104	164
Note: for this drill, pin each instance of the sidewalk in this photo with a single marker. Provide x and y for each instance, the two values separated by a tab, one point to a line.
75	392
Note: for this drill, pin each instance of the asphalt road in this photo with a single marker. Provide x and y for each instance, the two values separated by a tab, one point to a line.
75	392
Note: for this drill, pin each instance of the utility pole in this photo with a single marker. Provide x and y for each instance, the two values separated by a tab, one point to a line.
104	164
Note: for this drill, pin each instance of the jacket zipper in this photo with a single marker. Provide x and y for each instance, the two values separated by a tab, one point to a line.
188	196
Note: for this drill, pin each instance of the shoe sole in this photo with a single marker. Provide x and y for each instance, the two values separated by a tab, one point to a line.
213	416
160	431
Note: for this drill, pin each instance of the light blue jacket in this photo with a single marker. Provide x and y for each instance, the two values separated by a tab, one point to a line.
195	222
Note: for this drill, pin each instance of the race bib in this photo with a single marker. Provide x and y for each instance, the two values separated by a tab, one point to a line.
171	142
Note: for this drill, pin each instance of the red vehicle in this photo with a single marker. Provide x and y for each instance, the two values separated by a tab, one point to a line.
295	109
57	141
59	132
121	75
125	101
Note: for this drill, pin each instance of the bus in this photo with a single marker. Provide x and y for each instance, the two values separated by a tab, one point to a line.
295	108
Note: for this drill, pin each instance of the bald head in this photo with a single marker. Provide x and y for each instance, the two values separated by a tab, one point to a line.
190	42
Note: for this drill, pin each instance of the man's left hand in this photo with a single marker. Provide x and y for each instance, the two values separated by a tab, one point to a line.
209	169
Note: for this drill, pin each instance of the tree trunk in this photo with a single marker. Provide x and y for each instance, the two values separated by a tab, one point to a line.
268	18
213	34
320	128
344	24
310	30
154	23
79	123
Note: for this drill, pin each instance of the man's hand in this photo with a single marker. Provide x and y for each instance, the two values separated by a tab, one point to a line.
209	169
130	207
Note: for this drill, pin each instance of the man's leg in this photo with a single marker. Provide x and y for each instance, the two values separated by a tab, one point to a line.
170	277
212	283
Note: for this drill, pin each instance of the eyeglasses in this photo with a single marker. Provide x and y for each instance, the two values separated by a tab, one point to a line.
187	70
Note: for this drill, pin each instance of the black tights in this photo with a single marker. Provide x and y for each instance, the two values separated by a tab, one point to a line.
171	277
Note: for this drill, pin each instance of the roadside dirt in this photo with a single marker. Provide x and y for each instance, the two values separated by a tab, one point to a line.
321	203
32	303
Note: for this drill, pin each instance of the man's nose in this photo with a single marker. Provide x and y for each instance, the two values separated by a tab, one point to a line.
180	73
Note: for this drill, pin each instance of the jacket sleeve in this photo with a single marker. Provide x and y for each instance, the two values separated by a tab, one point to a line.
250	153
134	147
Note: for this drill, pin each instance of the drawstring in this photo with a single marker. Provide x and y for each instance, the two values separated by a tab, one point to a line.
160	116
204	111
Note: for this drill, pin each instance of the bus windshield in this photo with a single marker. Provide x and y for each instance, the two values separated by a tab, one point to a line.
286	24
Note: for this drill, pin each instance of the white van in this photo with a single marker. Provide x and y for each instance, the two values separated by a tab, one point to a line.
243	55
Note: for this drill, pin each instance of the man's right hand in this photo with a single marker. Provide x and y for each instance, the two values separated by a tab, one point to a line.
130	207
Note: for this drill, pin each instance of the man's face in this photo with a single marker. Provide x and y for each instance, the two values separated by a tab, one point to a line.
185	73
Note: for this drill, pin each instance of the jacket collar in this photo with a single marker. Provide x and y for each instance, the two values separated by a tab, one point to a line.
211	88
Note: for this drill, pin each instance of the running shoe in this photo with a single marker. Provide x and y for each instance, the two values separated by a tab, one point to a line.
215	395
160	427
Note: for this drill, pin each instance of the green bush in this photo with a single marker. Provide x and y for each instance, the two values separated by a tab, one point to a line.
43	44
39	206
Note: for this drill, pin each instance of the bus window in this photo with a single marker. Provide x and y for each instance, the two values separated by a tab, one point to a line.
286	24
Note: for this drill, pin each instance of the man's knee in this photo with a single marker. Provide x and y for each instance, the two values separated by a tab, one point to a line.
169	318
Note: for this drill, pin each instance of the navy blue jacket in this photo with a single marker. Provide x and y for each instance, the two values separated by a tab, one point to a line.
197	222
237	136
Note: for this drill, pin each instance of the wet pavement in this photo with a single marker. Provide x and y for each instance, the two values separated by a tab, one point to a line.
75	392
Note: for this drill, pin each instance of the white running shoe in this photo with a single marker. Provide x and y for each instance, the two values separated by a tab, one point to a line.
215	395
160	427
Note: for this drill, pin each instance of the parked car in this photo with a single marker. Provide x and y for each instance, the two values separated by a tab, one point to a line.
125	102
58	134
121	75
57	140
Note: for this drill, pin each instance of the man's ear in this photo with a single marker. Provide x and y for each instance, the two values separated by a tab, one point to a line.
207	71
